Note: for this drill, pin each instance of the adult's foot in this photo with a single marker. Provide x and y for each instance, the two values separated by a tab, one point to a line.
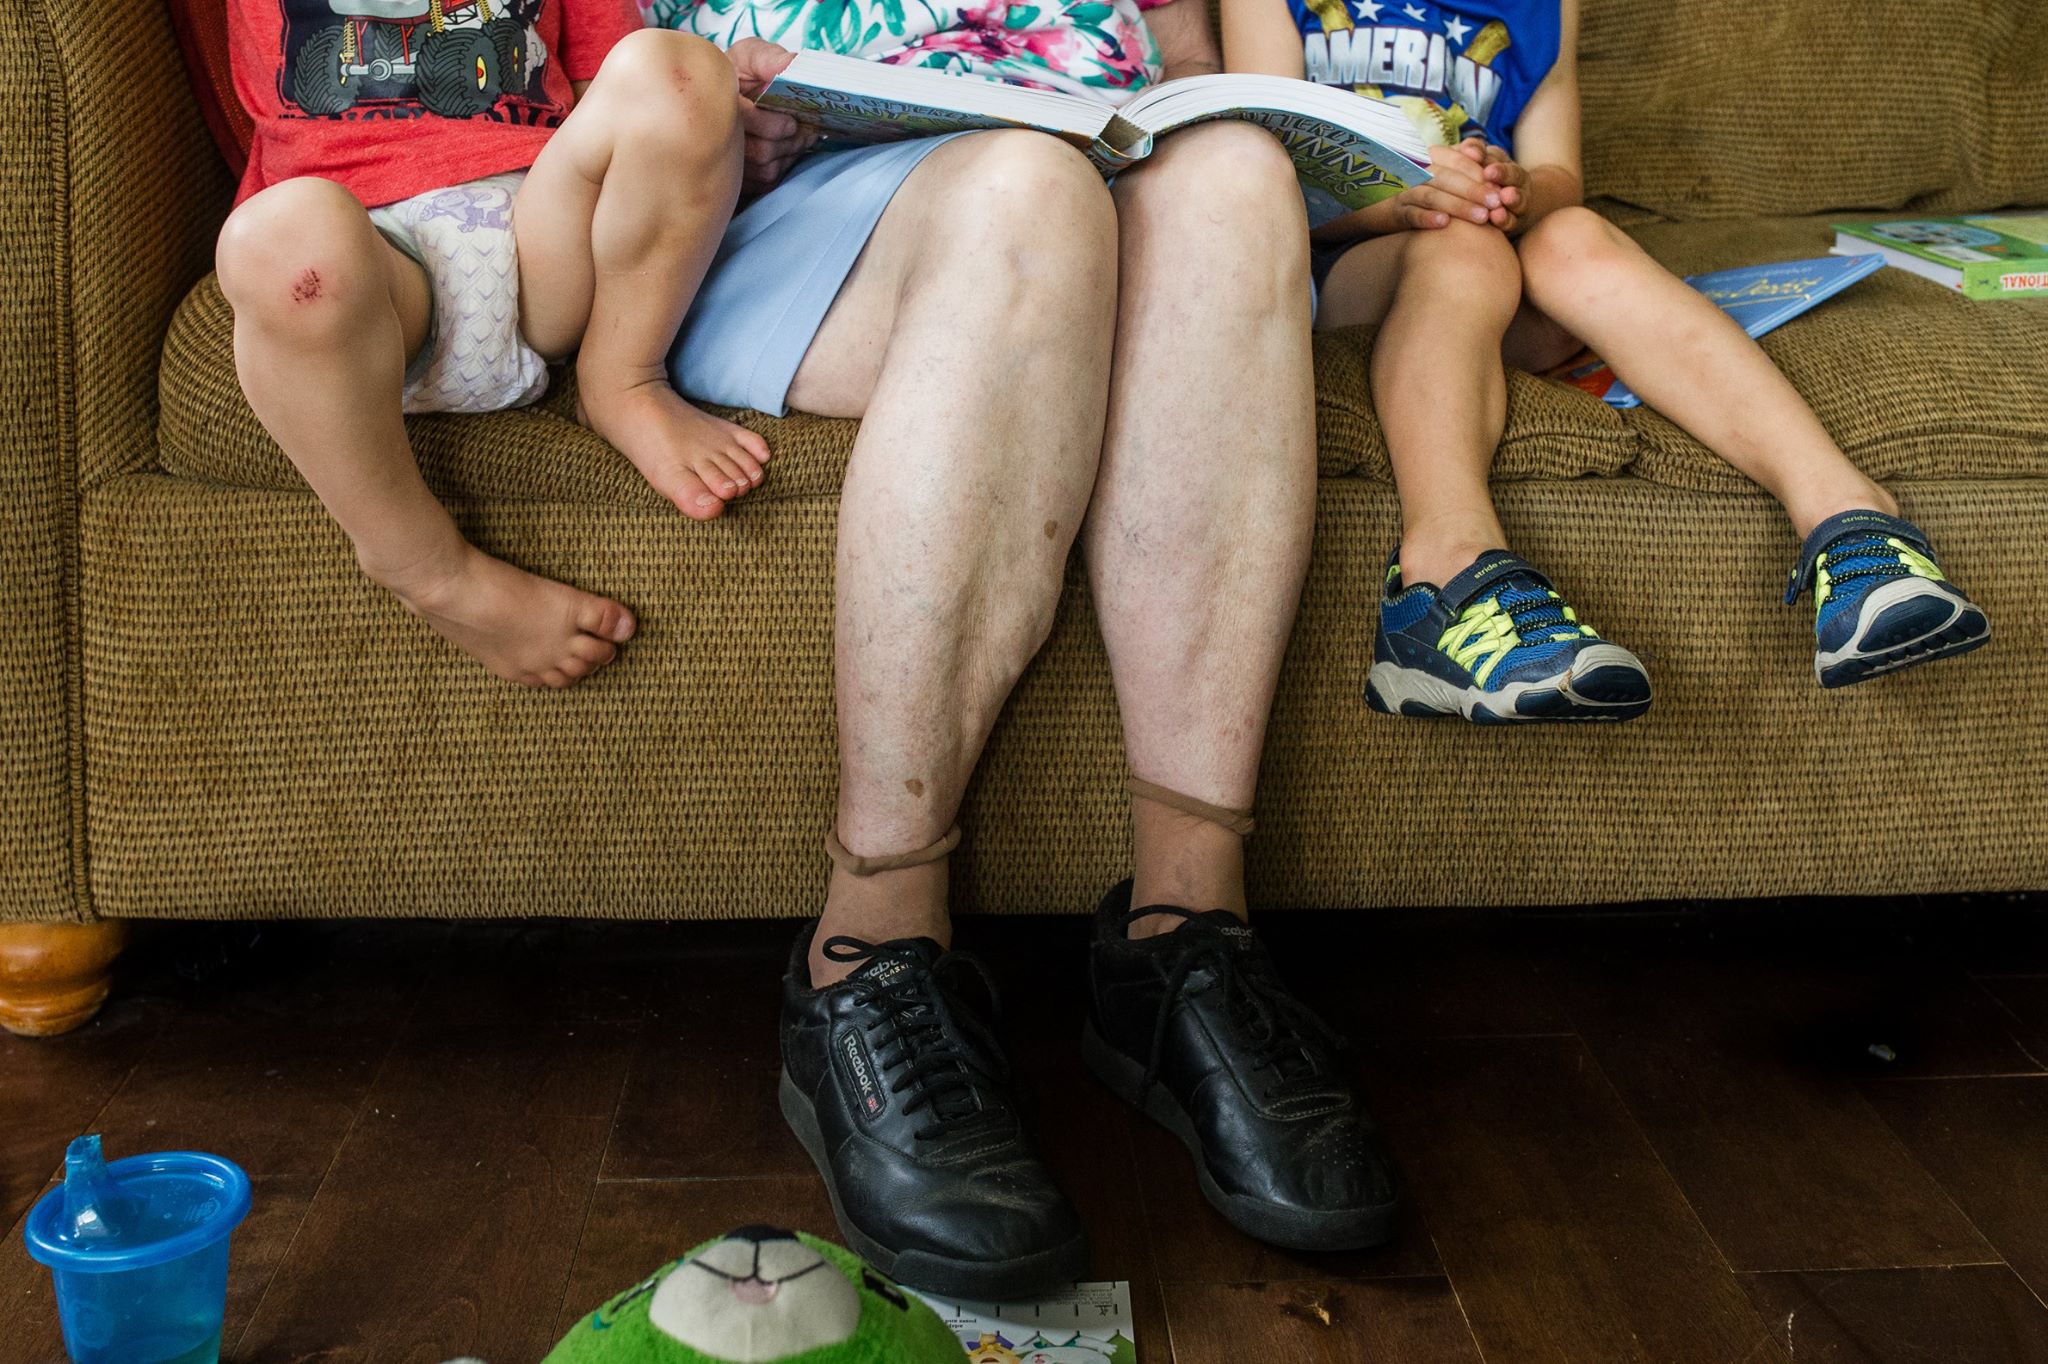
1196	1030
526	629
894	1082
695	460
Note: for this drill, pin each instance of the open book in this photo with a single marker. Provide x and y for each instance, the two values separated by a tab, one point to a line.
1360	150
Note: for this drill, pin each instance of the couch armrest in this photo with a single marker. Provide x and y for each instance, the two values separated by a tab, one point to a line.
110	192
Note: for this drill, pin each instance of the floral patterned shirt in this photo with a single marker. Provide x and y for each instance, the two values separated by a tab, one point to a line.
1099	49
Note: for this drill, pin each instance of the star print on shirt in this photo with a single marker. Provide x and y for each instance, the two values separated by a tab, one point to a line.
1455	29
1370	9
1415	12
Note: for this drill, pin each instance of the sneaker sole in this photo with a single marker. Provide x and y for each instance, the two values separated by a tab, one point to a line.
1021	1279
1288	1228
1898	626
1606	683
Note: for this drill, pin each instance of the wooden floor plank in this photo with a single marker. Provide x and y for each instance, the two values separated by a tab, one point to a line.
1979	1314
1418	974
1987	1142
1769	1138
700	1099
1340	1321
450	1218
2027	998
1566	1239
52	1089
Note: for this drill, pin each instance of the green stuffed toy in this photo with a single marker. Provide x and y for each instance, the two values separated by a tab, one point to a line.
761	1296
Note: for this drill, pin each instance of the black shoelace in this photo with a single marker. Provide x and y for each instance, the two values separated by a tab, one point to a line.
1283	1033
943	1058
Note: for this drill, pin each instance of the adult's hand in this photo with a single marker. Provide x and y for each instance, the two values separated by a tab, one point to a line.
774	140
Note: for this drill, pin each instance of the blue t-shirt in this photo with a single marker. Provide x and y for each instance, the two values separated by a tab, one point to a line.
1458	69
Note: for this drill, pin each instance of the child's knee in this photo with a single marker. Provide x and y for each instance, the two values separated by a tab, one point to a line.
298	252
1567	244
673	86
1464	260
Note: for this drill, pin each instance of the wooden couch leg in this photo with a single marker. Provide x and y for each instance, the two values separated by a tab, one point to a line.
55	976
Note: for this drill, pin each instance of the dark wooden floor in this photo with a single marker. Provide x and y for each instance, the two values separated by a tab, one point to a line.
1807	1132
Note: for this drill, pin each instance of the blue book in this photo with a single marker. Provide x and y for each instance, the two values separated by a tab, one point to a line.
1760	297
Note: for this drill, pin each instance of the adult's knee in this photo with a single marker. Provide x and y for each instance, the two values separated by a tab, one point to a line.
1570	248
1235	168
1025	187
668	87
1025	222
302	254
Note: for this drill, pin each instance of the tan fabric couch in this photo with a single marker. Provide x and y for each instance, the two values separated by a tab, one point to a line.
209	713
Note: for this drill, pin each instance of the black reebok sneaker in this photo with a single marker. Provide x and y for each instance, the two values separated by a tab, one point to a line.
896	1085
1195	1029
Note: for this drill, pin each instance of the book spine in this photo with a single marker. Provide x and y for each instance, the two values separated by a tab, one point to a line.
1986	280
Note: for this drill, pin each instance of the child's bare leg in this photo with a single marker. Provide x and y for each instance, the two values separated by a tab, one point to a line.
1690	361
326	312
1444	299
617	222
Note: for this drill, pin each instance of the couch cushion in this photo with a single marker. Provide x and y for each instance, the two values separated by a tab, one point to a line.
541	454
1706	109
1913	380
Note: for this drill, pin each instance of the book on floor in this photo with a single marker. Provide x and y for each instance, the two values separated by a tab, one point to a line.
1088	1324
1985	256
1760	297
1356	148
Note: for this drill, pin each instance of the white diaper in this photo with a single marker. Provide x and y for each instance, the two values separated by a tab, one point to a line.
474	359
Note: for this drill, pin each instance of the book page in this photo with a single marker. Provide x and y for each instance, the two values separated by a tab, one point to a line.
862	101
1357	149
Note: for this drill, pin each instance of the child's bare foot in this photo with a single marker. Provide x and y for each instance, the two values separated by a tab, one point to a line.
695	460
526	629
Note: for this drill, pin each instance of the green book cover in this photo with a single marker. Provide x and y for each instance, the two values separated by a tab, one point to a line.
1985	256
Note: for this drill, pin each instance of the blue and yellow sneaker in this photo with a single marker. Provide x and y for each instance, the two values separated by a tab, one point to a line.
1880	601
1496	644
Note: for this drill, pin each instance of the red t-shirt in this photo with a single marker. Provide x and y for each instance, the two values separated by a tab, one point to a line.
392	98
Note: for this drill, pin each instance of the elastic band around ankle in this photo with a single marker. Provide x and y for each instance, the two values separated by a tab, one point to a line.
1238	822
869	866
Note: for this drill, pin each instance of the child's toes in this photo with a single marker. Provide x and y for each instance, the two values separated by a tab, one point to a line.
753	442
695	497
607	620
730	478
749	467
592	651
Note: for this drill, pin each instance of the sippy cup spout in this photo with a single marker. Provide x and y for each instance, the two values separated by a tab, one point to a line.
95	1209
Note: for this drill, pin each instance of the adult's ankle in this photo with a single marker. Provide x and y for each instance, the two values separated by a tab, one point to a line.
1185	861
886	906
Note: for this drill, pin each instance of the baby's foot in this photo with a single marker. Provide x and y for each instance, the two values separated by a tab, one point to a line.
524	628
695	460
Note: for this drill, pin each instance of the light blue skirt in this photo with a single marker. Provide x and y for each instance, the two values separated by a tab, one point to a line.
780	265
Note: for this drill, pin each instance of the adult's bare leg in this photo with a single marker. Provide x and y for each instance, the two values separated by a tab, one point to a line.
973	339
1198	539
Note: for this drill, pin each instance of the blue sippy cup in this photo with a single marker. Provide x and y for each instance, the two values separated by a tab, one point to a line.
139	1252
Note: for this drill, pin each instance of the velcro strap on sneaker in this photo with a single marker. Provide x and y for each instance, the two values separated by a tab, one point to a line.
1483	575
1848	523
1238	822
854	865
